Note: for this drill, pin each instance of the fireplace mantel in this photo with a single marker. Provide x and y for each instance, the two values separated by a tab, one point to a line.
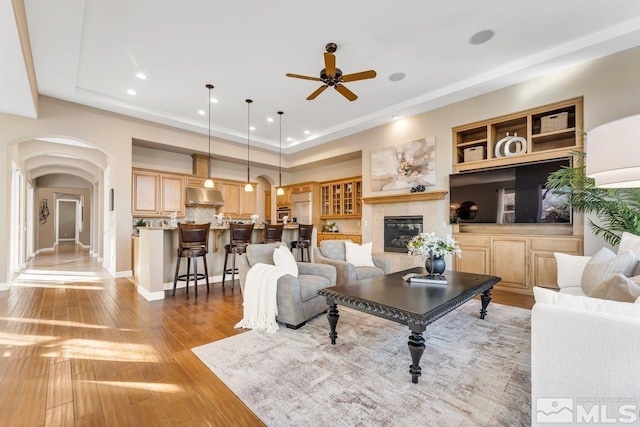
401	198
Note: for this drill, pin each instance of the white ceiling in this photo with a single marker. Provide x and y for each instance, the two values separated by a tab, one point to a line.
90	51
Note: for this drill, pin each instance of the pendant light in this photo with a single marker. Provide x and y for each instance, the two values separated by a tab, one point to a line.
280	190
209	182
248	187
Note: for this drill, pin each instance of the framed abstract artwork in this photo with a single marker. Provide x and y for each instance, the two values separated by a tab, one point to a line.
404	166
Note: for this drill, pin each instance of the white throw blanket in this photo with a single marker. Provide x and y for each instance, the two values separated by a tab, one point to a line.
260	304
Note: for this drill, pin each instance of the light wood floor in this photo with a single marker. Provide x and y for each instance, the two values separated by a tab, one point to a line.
79	348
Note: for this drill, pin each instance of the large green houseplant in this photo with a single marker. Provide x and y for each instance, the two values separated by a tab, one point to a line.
618	209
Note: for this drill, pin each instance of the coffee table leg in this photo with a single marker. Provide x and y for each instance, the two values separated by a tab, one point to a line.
333	316
486	299
416	348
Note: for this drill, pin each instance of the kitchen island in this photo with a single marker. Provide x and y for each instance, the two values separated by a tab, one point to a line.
157	246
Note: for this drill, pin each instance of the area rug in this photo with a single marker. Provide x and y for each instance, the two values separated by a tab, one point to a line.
474	372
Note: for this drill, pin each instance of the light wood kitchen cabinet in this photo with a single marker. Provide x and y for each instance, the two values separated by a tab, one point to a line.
521	261
341	199
302	188
157	194
355	238
198	182
248	202
237	202
284	199
145	193
267	205
172	195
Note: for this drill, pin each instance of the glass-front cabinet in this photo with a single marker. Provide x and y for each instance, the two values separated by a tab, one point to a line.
341	199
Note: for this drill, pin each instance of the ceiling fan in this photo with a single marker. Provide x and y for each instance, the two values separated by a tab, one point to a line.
332	76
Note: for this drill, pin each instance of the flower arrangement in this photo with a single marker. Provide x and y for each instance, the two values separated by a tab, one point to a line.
428	244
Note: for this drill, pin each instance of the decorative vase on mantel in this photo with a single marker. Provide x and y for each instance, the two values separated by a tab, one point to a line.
435	265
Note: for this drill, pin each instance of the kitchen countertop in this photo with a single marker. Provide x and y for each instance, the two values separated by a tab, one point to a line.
357	233
220	227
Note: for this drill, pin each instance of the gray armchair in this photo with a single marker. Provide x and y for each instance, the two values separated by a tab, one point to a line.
332	252
296	297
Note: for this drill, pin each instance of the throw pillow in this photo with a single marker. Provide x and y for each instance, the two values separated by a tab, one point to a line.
630	242
584	302
617	288
605	264
570	269
283	258
358	255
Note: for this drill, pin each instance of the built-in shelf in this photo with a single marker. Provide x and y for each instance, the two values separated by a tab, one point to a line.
401	198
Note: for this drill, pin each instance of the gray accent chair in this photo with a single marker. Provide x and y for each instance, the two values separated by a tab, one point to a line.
297	298
332	252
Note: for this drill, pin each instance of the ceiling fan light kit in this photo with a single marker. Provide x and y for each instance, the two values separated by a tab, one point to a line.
332	76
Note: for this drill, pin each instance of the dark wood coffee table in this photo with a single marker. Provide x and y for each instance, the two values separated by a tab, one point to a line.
414	305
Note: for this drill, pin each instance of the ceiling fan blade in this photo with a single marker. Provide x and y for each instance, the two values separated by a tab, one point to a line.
330	64
299	76
316	93
346	92
359	76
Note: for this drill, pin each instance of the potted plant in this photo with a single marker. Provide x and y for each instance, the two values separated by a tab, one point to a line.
618	209
433	248
140	222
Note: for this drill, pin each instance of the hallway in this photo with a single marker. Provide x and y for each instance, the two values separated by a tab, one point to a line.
81	348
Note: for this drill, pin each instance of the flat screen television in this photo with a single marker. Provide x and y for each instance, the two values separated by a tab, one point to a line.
509	195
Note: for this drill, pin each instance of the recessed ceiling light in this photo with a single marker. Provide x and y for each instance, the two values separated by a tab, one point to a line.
395	117
289	139
482	37
201	112
214	100
396	77
306	132
141	76
270	119
131	92
252	128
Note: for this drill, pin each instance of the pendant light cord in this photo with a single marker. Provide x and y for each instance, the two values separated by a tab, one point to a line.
248	101
209	156
280	113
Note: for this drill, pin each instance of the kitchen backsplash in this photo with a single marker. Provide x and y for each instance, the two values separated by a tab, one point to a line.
199	215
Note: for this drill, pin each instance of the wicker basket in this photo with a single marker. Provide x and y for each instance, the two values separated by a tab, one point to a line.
472	154
553	122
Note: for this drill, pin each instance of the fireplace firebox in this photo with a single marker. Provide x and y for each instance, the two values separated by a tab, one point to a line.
398	231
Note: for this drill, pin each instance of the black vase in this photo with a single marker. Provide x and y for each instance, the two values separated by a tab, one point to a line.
439	265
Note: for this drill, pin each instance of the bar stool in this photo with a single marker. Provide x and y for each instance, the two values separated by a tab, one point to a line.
273	233
239	238
303	242
193	242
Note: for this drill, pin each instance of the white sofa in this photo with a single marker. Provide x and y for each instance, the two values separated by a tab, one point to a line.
584	351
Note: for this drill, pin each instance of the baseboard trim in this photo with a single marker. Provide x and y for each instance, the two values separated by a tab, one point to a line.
122	274
150	296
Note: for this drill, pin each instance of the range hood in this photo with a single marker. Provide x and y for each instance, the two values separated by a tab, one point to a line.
203	197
